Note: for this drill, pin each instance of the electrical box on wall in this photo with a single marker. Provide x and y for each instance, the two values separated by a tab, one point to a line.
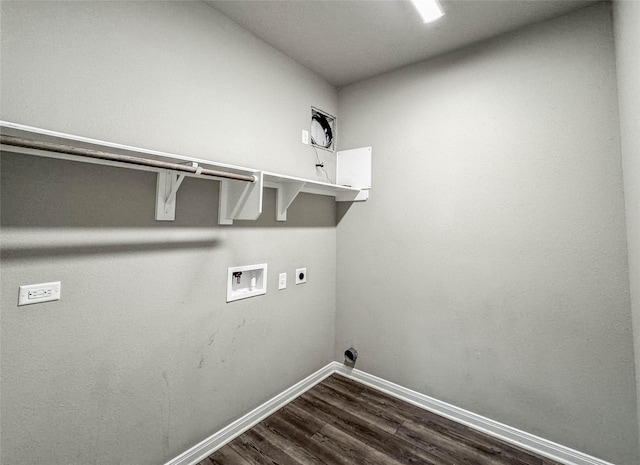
353	168
246	281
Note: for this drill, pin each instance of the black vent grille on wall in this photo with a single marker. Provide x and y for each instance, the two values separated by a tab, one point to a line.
323	130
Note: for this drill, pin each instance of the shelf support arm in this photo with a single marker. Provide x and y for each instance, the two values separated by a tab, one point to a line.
167	185
240	201
285	195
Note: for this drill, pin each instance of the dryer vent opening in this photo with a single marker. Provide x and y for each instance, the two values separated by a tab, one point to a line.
350	356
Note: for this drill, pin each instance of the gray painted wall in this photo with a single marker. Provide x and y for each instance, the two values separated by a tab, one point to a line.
142	358
172	76
489	267
496	279
626	15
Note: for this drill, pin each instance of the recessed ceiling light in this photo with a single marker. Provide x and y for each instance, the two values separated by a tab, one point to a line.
430	10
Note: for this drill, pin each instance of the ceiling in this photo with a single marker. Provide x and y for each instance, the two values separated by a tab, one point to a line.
348	40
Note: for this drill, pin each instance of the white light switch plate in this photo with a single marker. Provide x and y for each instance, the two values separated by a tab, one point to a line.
305	137
37	293
282	281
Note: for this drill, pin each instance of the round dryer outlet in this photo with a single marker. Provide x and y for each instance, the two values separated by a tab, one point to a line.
301	275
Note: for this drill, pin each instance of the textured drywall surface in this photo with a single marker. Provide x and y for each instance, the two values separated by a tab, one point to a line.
489	267
626	21
172	76
142	357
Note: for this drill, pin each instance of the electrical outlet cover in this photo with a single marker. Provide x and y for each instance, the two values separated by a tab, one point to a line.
301	275
38	293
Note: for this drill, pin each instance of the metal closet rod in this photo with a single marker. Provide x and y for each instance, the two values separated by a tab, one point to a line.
90	153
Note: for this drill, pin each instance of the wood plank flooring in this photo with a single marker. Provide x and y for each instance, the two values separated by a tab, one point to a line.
340	421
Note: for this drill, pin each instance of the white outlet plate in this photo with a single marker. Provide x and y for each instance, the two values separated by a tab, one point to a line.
282	281
305	137
301	275
38	293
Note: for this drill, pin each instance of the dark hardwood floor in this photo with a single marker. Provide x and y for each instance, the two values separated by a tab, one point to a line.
340	421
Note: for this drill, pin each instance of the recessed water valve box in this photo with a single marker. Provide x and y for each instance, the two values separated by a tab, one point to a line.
246	281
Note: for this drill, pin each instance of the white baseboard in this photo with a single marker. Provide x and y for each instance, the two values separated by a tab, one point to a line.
493	428
235	429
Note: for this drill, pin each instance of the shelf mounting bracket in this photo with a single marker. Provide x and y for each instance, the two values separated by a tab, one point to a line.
240	200
286	193
167	185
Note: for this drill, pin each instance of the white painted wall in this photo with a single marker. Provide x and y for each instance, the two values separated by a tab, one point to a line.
142	358
489	267
626	21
